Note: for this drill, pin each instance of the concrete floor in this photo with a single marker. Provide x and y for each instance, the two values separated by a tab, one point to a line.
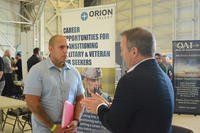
8	128
188	121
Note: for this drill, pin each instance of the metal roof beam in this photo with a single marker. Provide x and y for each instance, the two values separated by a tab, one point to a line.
40	10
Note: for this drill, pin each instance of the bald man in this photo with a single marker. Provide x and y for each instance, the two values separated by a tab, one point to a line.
8	88
49	83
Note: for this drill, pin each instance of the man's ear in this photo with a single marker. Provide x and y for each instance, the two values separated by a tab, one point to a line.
50	48
134	51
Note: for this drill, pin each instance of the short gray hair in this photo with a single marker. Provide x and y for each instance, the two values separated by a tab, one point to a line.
141	39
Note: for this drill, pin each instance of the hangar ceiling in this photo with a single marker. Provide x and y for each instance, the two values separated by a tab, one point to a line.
167	19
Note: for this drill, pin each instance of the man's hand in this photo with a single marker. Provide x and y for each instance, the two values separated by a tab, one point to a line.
91	103
103	99
71	128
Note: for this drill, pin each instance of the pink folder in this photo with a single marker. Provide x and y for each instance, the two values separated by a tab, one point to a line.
68	112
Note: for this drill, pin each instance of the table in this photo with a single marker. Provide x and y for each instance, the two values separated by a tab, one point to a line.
6	102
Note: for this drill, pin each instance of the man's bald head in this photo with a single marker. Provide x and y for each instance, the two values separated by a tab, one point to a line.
54	38
58	47
7	53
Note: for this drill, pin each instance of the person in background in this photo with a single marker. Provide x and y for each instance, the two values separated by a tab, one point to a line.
8	88
158	58
49	84
13	62
18	68
168	66
2	78
92	82
144	97
2	84
13	65
34	59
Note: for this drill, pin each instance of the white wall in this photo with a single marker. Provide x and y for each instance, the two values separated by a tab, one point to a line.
9	32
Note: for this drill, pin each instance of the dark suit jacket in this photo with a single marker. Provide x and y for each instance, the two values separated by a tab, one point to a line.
32	61
143	102
19	71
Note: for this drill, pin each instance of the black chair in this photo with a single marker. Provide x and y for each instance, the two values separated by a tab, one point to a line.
14	116
177	129
1	119
27	120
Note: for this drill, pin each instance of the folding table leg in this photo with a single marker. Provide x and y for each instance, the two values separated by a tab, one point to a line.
1	119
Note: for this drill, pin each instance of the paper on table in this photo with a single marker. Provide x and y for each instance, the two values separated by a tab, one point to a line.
68	112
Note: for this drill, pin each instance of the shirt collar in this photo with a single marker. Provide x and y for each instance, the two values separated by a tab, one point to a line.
133	67
51	65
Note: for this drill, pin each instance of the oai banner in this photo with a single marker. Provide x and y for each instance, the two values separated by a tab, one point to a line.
186	59
91	35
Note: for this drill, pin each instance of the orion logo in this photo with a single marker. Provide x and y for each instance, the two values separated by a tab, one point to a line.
84	16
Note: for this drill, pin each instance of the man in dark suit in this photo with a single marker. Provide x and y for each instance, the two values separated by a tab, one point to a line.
144	98
34	59
19	66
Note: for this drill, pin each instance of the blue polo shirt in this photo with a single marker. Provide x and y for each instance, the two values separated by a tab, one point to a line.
54	86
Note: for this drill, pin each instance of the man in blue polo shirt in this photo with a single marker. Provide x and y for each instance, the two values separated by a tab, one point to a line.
49	83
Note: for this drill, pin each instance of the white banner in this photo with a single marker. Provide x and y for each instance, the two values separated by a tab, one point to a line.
91	35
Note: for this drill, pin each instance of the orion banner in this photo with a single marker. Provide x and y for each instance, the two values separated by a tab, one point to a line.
91	35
